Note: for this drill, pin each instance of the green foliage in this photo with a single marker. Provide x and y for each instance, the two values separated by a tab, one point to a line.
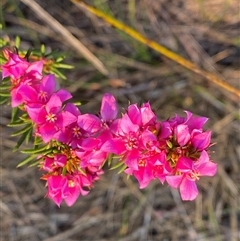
52	60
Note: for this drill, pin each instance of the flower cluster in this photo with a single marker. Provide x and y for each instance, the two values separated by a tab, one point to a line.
173	151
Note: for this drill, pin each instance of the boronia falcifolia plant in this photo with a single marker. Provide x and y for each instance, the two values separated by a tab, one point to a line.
71	148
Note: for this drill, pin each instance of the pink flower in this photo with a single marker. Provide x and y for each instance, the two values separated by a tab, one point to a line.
150	167
142	116
50	118
126	143
67	188
90	153
72	134
189	171
15	67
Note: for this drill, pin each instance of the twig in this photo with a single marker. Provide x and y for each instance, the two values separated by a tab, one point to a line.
159	48
68	37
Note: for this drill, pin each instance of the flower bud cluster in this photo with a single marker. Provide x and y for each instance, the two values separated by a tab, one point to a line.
173	151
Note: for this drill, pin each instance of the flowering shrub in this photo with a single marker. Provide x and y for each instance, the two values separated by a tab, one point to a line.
72	148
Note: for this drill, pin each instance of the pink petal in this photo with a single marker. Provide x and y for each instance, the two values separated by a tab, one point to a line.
17	98
97	158
182	134
48	84
37	113
57	198
135	114
144	176
165	130
195	122
65	118
204	166
201	141
89	123
28	93
127	126
35	69
60	160
188	190
174	181
56	182
204	157
147	114
63	95
109	107
115	145
47	131
185	164
89	144
70	107
73	195
54	103
132	159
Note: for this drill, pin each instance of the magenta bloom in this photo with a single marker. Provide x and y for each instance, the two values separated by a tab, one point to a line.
142	116
67	188
190	171
175	150
50	118
72	134
15	67
133	138
150	167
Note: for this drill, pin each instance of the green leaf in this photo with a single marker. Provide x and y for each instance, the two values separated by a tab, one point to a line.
82	171
3	100
5	87
21	140
59	59
26	160
5	94
122	169
117	165
78	103
28	54
17	123
37	141
2	59
43	49
64	171
36	150
5	80
58	73
24	117
170	145
15	112
29	136
17	41
20	132
35	163
63	66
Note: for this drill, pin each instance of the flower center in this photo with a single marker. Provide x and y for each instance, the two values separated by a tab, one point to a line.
142	163
76	132
194	175
51	117
71	183
131	142
43	95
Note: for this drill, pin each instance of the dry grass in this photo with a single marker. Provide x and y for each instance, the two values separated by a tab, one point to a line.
205	32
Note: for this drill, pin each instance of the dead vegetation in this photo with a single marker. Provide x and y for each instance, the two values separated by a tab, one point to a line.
206	33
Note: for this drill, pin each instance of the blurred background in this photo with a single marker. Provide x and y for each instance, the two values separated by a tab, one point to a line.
206	33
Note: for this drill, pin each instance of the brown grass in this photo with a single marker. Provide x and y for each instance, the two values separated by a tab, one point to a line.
206	33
